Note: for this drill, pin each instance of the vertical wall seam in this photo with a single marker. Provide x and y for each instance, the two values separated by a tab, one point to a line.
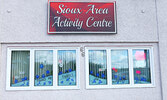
159	61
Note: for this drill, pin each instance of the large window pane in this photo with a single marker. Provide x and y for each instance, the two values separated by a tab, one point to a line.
66	67
97	67
141	64
120	66
43	68
20	64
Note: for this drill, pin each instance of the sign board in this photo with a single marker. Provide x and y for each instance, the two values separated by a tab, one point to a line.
81	17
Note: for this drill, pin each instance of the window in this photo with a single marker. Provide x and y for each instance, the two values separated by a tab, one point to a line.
120	67
20	68
66	67
97	67
37	69
58	68
141	66
111	67
43	68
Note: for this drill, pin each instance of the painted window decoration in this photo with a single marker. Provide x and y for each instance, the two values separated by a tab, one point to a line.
141	64
43	68
20	64
97	67
120	66
66	67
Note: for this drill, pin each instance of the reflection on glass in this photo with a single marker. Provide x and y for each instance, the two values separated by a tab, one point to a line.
66	67
120	66
141	64
20	64
43	68
97	67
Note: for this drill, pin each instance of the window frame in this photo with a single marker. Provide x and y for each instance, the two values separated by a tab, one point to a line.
32	68
109	72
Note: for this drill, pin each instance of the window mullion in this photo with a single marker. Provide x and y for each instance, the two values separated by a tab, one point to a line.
55	68
32	68
131	67
8	68
109	73
151	65
77	68
87	67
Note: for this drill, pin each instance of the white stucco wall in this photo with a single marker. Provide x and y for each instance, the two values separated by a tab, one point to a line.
26	20
24	23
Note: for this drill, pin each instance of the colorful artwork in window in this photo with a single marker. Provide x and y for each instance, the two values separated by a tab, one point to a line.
66	67
20	65
43	68
141	66
120	66
97	67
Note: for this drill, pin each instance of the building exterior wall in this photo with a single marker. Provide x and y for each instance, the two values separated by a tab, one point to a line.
139	23
26	21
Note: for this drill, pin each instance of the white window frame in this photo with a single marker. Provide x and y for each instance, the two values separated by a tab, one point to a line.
109	73
31	72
